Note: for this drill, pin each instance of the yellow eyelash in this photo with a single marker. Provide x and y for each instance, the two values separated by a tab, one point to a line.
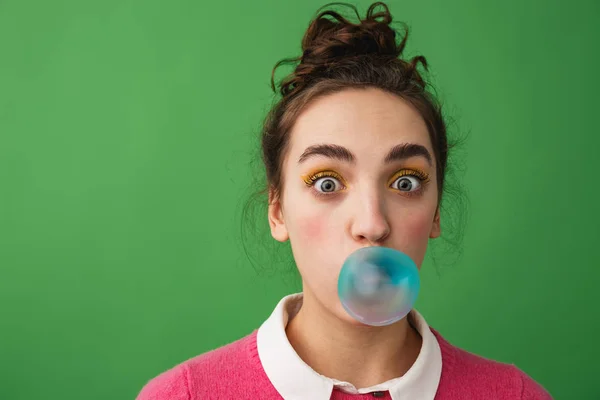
310	179
404	172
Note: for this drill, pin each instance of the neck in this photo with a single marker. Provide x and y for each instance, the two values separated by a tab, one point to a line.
359	354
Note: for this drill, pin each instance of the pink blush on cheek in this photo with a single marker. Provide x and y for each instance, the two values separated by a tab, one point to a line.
416	232
420	229
311	228
418	224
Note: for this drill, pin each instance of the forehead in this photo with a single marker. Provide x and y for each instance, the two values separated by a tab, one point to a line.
367	121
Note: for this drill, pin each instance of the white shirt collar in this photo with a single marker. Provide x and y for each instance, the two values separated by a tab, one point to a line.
295	380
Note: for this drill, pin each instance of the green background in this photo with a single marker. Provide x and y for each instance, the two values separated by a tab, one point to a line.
126	132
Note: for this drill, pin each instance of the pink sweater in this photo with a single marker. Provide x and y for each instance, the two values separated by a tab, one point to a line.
234	371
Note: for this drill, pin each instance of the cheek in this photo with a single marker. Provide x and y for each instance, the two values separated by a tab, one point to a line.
310	228
318	232
415	228
310	222
317	253
304	220
315	237
419	226
419	220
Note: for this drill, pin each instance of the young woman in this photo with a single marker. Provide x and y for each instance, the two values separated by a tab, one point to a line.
355	154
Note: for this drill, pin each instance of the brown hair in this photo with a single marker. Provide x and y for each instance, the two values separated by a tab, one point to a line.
338	54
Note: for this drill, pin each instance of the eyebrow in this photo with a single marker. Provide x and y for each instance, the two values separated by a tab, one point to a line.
397	153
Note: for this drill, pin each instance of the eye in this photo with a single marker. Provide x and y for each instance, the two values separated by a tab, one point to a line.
327	185
407	183
324	182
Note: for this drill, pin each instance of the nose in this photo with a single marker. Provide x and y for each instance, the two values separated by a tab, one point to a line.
369	221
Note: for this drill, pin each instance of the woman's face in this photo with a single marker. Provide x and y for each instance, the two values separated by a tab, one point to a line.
359	171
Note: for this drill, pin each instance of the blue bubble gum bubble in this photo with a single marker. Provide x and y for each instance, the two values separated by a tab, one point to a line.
378	285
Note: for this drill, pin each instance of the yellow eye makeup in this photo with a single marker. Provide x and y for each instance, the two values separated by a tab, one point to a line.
310	179
423	176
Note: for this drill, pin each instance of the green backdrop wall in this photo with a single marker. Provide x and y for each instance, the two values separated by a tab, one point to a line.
126	131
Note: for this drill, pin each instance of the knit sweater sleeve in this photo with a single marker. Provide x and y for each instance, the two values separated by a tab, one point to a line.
531	390
170	385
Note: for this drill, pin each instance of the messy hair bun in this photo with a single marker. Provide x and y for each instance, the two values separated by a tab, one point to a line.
332	41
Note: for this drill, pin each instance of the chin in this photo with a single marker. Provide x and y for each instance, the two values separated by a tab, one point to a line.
343	315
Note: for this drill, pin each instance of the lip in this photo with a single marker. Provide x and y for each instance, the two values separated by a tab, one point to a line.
354	251
365	247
